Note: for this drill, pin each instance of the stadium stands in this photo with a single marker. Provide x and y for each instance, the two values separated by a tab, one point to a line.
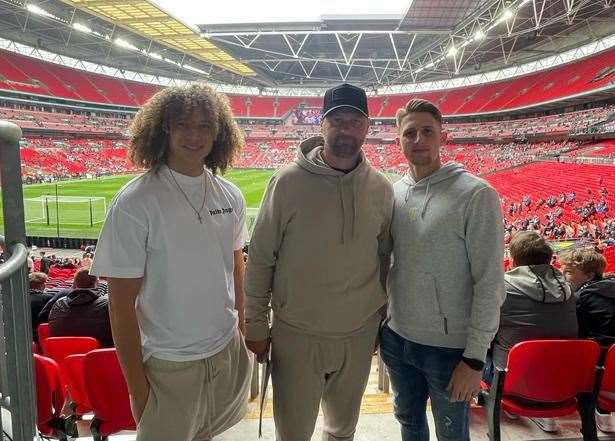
44	78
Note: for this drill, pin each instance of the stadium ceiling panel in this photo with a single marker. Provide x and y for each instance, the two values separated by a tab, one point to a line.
148	20
437	14
435	40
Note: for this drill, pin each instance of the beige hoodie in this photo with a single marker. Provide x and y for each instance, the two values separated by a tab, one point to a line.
318	247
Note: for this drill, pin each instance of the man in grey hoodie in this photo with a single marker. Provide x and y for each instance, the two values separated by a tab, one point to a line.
539	302
446	284
318	257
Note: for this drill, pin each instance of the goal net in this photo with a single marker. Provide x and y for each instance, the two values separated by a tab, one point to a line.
70	210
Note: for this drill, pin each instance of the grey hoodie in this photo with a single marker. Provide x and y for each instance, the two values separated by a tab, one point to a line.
317	251
539	305
446	284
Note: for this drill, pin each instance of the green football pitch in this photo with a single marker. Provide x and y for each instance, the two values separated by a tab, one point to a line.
82	203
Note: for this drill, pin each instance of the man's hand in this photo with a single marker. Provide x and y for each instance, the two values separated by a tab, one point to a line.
260	348
464	384
138	400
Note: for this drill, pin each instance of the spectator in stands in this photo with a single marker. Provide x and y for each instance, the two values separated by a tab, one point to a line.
539	303
446	284
584	270
82	312
86	261
45	263
38	298
171	248
318	255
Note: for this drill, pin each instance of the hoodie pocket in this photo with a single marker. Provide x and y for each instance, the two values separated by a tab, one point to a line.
424	306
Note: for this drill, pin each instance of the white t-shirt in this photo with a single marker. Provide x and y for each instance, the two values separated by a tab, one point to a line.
186	307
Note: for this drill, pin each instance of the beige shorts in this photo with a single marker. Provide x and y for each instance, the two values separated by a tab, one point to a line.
196	400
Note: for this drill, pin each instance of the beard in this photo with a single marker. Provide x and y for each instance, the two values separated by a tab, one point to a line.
345	146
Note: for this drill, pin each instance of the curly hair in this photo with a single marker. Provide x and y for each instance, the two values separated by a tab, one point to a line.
149	131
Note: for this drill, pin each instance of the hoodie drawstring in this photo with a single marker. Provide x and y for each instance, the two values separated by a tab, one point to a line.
424	207
340	190
425	198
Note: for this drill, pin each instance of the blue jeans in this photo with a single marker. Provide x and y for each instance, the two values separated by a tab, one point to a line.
418	372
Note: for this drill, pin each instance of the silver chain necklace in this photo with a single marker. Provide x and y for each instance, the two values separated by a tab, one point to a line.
197	212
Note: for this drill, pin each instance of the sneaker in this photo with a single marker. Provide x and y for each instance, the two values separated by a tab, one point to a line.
604	422
546	424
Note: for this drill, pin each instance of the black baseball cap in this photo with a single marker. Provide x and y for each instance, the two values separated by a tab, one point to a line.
345	95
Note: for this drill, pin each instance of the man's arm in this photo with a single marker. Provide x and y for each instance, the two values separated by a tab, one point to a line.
485	247
239	276
127	337
262	255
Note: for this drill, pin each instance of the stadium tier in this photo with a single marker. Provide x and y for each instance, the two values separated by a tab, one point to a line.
27	75
561	124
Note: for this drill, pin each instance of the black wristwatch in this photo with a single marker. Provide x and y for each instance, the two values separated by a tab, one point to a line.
474	364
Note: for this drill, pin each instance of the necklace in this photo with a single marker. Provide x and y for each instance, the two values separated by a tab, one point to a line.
197	212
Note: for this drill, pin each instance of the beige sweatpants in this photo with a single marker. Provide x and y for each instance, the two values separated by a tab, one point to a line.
196	400
308	370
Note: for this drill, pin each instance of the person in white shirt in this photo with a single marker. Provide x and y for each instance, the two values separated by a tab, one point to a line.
171	248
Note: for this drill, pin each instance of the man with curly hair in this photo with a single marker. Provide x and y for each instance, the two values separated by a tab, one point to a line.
171	248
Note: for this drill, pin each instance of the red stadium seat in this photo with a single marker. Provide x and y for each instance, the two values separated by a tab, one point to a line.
108	394
606	396
58	348
546	379
30	75
43	332
73	379
49	398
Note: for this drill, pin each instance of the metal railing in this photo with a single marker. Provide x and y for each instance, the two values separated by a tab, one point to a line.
16	365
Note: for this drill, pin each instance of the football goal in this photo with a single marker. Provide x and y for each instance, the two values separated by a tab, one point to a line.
73	210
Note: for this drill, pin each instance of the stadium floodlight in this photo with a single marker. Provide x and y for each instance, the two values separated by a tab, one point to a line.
506	15
125	44
479	35
430	65
35	9
155	55
523	3
452	51
82	28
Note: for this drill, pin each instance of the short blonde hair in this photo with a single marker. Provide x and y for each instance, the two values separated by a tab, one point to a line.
418	105
588	260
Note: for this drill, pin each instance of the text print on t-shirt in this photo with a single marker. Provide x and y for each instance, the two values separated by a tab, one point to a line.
221	211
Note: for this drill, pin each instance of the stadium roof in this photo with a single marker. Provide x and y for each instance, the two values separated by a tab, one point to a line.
149	20
428	41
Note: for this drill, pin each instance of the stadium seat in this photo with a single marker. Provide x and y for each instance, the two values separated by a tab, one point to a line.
546	379
606	396
108	394
73	379
49	398
42	331
58	348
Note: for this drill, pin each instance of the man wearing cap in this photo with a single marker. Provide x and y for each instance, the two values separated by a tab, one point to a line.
318	257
